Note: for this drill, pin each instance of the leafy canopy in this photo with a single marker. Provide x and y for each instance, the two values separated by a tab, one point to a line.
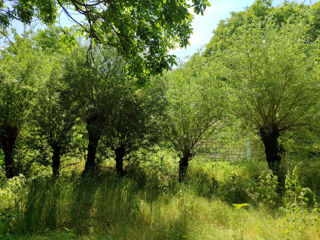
21	69
196	97
274	75
141	31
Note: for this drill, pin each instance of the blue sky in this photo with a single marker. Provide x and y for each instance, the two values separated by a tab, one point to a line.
203	26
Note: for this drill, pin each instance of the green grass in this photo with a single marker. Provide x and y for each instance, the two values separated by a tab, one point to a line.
149	204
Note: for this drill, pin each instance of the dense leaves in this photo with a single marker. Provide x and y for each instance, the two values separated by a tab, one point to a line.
141	31
197	99
274	76
21	70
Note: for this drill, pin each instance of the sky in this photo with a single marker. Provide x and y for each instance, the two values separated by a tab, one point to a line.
203	26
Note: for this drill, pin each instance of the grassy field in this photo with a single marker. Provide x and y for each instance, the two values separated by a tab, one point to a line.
220	200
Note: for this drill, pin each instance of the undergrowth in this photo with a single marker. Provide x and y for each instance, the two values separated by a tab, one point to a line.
218	201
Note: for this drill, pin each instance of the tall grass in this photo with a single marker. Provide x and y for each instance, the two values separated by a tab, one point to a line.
148	204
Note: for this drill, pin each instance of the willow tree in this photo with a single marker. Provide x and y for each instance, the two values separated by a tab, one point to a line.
135	119
53	113
196	102
21	70
275	80
88	82
52	118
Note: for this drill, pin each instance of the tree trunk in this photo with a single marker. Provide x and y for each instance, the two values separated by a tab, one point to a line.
269	137
56	161
183	166
120	153
94	132
92	149
8	139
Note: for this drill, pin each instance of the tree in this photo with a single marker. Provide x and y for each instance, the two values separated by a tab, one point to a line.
54	115
134	122
21	69
260	16
275	81
89	81
54	120
196	98
50	120
141	31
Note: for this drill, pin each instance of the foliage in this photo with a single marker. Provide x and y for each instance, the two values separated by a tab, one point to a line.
135	117
263	11
9	193
53	116
88	82
21	70
141	31
196	101
274	77
275	83
297	200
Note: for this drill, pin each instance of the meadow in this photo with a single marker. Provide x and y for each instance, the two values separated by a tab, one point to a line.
219	200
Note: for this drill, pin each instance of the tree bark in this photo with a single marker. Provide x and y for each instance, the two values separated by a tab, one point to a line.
8	139
269	137
120	153
56	161
92	149
183	166
94	132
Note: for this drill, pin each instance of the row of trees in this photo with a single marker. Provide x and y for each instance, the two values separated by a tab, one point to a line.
62	88
261	66
49	89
